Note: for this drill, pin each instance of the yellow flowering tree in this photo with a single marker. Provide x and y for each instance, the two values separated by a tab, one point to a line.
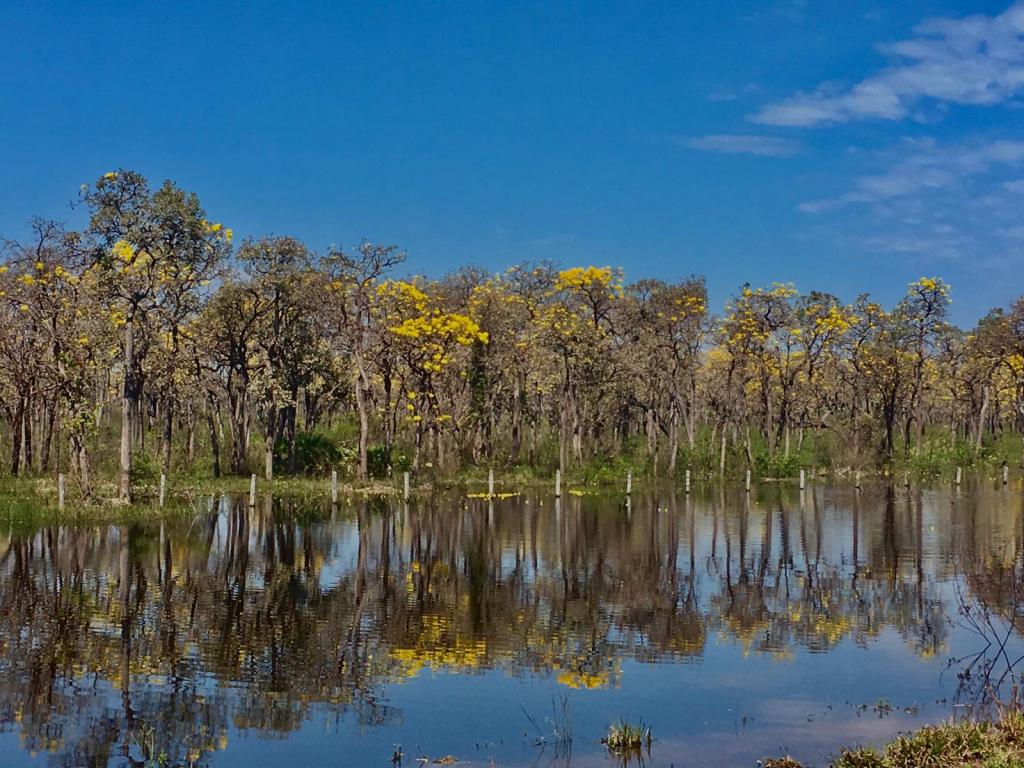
429	338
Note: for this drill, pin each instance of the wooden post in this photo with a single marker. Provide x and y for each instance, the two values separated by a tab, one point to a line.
906	479
490	482
958	475
1006	474
558	483
802	480
60	491
856	479
252	491
334	486
405	486
629	483
748	481
163	488
687	481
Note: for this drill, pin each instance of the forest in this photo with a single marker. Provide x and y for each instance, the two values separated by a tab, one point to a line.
152	341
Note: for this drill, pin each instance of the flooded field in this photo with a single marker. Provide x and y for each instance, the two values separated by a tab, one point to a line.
510	632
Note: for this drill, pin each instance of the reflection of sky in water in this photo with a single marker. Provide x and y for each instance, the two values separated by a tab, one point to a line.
736	630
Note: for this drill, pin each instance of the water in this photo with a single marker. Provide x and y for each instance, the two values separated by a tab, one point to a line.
301	635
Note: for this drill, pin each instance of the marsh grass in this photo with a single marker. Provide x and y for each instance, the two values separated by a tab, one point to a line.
624	738
32	501
998	744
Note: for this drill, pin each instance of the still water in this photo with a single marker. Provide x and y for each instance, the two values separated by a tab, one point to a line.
296	634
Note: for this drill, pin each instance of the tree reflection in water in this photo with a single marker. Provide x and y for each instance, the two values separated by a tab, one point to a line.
121	643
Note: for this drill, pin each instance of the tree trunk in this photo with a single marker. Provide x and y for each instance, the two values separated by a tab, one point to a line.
26	436
129	411
45	449
364	421
211	424
981	420
80	465
673	441
268	451
168	433
16	422
190	425
517	423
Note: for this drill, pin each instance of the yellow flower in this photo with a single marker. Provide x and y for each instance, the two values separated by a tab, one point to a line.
123	250
583	277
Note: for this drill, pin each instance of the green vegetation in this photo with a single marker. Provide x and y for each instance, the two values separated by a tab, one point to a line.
997	744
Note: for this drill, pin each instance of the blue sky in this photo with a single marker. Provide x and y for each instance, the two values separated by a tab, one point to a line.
846	147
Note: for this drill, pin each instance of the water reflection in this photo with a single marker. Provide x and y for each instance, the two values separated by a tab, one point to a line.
122	644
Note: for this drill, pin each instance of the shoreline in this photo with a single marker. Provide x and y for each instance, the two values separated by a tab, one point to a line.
34	499
997	743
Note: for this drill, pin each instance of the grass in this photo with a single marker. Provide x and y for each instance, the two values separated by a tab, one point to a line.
34	497
32	501
998	744
625	738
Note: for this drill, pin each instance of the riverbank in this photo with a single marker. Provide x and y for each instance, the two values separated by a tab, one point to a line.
998	744
35	498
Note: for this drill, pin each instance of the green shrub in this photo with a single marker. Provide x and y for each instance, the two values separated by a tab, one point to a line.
145	469
380	460
609	470
777	465
315	453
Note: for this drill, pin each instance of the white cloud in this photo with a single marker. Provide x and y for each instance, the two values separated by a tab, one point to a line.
945	201
927	167
974	60
745	144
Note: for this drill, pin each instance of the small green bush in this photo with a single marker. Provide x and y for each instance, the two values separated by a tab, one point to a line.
380	460
315	453
777	465
145	469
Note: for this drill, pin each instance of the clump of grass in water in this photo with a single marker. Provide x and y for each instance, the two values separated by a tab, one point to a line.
626	739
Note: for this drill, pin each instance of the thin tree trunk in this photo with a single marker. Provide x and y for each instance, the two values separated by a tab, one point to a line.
168	433
211	424
129	411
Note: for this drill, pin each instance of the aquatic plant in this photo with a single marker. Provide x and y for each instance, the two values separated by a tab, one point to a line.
625	738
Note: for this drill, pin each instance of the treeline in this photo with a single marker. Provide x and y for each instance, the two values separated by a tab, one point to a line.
153	322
